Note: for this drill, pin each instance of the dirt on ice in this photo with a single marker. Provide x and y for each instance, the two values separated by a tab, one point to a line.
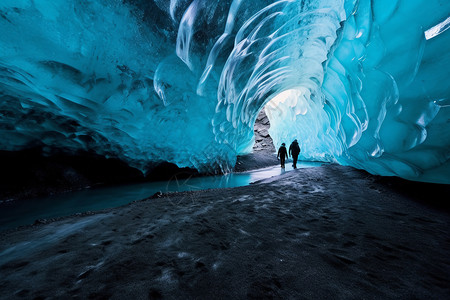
328	232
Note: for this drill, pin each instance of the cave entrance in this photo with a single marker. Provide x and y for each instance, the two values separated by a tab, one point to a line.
263	141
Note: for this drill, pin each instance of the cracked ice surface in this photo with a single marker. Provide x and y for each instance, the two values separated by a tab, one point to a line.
355	82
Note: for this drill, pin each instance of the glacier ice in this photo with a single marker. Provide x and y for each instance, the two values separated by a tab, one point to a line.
356	82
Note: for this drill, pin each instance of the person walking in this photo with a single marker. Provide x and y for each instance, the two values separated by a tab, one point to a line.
294	151
282	154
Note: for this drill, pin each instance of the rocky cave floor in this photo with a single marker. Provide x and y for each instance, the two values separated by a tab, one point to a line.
330	232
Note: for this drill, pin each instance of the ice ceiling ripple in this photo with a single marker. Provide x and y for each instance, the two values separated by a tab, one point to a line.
355	82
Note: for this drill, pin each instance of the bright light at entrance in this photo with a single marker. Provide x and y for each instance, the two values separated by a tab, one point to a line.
293	98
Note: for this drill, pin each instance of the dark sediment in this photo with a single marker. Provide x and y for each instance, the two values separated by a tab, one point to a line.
29	173
32	173
254	161
317	233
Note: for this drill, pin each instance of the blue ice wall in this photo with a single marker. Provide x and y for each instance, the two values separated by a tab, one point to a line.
383	104
355	82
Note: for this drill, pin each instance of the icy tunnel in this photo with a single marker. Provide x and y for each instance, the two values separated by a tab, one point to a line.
363	83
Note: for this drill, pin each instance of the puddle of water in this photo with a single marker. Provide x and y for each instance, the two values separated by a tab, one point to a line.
17	213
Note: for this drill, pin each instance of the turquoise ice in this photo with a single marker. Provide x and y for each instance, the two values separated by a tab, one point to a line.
362	83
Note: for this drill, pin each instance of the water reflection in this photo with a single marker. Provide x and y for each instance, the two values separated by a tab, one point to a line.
13	214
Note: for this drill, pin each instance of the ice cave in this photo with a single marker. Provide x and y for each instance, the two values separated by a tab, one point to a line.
363	83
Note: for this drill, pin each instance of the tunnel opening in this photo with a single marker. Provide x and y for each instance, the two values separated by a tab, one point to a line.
263	152
283	119
283	109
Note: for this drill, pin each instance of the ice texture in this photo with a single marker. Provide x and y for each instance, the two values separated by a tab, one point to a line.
356	82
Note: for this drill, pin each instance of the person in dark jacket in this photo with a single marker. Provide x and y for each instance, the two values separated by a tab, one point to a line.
282	154
294	151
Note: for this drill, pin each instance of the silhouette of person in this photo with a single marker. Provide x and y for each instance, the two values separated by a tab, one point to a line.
282	154
294	151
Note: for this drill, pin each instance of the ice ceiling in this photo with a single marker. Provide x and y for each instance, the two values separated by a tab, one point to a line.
365	83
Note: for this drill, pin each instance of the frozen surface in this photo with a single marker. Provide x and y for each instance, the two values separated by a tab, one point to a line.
18	213
357	82
309	234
